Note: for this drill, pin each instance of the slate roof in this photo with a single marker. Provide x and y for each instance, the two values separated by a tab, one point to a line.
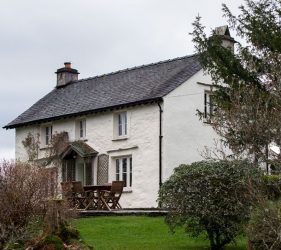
132	86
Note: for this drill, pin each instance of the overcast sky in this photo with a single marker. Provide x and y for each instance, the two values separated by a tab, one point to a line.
97	36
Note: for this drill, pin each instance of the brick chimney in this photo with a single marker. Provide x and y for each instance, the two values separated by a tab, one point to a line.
66	75
227	40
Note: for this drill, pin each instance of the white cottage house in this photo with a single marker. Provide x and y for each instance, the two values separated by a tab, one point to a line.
135	125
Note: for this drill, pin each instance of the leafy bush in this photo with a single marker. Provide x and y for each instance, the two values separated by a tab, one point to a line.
213	197
265	227
272	186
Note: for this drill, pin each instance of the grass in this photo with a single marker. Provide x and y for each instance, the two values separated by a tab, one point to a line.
138	233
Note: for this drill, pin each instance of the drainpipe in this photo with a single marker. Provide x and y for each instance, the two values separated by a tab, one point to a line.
160	144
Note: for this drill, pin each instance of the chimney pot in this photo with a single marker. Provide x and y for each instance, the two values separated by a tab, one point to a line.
67	65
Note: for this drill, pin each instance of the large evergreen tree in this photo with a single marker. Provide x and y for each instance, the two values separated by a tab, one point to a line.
248	81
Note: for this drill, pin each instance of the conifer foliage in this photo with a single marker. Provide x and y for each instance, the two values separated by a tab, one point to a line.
247	81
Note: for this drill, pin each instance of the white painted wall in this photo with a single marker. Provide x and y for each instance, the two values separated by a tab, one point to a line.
21	134
141	143
184	135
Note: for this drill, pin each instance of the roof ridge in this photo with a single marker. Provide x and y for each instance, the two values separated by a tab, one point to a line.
133	68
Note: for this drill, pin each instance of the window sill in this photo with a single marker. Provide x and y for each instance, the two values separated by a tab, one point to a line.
209	122
82	139
127	190
121	138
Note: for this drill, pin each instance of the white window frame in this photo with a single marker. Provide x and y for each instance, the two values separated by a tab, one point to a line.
208	106
120	125
80	129
46	134
124	170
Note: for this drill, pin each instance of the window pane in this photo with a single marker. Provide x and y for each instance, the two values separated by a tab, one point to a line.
117	170
205	105
131	168
84	128
81	129
124	178
119	124
46	136
124	170
211	104
124	165
125	123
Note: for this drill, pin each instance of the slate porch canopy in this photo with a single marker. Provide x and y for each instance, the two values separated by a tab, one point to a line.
80	148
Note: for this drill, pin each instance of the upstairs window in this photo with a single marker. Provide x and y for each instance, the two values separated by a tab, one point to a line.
46	135
122	124
124	170
81	129
208	106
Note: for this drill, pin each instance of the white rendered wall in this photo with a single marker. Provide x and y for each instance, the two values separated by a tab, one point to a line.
142	143
21	134
184	135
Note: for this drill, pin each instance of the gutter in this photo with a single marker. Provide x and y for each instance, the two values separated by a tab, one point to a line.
87	112
160	144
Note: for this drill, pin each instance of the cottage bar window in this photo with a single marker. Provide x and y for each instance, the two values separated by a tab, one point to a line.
80	129
122	124
208	106
124	170
48	134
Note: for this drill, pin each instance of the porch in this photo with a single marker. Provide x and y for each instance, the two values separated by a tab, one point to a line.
78	164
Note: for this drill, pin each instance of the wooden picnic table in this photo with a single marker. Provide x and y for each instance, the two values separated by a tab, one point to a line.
95	199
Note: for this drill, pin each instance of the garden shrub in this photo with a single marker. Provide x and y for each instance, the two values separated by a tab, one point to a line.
211	196
28	209
272	186
264	228
23	196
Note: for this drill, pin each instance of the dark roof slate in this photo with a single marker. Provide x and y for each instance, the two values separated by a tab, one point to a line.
126	87
81	148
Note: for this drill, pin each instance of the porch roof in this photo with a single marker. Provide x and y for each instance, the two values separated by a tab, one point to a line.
81	148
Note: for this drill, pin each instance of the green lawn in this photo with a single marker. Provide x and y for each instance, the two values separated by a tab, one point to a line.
137	232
